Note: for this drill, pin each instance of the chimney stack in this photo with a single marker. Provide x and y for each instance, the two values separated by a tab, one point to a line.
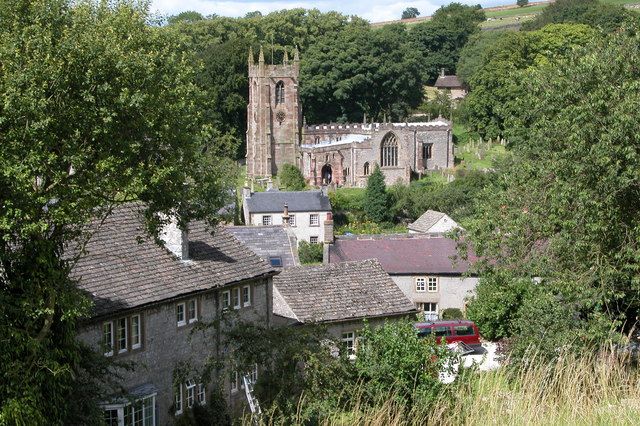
328	229
441	72
324	189
269	184
176	240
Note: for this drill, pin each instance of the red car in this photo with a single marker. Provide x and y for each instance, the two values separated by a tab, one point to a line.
453	331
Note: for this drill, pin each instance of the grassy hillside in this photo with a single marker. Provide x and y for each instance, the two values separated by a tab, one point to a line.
506	16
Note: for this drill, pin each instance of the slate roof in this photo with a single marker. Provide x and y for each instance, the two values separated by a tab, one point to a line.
404	254
339	292
268	241
123	268
448	81
273	201
426	221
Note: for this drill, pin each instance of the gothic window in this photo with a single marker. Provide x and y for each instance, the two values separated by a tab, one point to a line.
316	140
389	151
366	169
279	93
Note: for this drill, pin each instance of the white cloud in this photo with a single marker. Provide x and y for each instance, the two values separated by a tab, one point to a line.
372	10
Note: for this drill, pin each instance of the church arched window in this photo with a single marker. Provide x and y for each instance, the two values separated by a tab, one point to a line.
279	92
389	151
366	169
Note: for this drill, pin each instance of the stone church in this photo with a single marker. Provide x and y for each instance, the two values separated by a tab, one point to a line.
338	154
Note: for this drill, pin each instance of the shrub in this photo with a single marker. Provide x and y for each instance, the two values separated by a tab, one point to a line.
376	200
452	314
291	178
310	253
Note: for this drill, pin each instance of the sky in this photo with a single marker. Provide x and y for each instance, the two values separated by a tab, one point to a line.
372	10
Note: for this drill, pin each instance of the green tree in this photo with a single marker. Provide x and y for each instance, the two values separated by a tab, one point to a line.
506	64
291	178
565	210
186	16
522	3
360	71
439	40
96	109
376	200
309	253
410	12
606	17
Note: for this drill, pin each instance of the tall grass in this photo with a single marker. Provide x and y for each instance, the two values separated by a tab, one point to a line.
575	390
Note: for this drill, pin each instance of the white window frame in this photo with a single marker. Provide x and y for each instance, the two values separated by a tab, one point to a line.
236	298
421	284
202	394
191	393
292	220
183	321
267	220
195	311
430	314
349	340
432	284
138	333
314	217
246	301
226	299
122	350
123	409
178	400
312	238
111	336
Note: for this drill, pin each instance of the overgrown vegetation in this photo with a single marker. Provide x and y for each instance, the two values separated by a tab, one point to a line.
310	253
290	178
391	362
561	222
590	388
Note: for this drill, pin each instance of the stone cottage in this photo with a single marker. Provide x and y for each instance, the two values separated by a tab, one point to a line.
426	268
451	85
307	213
147	301
339	154
339	295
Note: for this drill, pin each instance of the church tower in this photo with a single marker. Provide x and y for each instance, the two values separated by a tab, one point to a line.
273	115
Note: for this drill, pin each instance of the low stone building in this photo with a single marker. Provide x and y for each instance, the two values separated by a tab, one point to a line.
308	213
339	295
147	301
451	85
427	269
432	222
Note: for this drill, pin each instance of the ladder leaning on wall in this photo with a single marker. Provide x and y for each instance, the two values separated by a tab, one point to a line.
254	405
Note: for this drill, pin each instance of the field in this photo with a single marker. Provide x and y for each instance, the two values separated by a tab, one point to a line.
508	15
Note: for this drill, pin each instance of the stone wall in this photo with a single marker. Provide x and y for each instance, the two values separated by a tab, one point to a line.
165	345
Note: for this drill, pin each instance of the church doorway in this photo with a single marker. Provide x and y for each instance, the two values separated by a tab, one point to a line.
326	174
